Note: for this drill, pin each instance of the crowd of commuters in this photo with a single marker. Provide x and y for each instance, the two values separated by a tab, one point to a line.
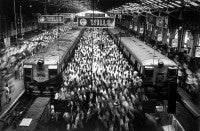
101	85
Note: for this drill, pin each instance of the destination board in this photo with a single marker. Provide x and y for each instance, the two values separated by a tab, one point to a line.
104	22
51	19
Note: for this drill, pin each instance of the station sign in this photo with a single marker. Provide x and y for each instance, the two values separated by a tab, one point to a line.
141	30
135	28
159	21
174	43
53	19
159	37
151	19
97	22
7	42
94	15
162	21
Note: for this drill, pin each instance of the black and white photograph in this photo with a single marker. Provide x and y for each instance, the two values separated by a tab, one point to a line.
99	65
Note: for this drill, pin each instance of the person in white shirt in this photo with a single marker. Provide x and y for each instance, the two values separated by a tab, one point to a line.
7	93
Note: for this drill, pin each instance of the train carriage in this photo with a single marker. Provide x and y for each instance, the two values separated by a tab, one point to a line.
144	58
43	71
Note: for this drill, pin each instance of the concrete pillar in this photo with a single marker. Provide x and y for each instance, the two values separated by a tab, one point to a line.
164	36
172	35
194	44
180	38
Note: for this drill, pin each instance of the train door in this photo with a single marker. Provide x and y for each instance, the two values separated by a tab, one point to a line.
172	73
172	89
28	72
148	74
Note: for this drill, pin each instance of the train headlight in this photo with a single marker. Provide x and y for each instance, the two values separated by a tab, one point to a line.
40	63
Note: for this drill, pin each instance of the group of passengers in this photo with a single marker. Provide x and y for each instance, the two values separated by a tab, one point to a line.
101	85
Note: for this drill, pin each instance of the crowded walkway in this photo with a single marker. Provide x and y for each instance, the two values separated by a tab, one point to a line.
103	88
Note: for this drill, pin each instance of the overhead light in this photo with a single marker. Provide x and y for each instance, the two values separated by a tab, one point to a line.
193	3
179	2
175	4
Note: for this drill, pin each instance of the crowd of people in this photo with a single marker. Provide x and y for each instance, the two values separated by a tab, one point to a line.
101	85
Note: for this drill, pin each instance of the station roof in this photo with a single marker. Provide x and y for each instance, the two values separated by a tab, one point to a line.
150	6
189	10
108	5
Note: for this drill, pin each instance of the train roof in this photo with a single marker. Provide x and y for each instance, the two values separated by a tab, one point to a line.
56	49
144	54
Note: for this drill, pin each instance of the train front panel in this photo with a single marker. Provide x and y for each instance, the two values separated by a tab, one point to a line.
41	78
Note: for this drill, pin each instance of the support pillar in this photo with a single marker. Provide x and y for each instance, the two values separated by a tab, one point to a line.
164	36
194	44
172	35
180	38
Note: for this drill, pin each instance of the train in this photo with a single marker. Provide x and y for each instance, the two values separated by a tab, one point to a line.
144	58
43	71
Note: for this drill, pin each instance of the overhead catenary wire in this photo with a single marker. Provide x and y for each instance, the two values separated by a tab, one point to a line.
92	43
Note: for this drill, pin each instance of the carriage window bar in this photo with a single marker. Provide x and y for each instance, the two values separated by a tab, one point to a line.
52	73
27	74
172	71
27	71
149	73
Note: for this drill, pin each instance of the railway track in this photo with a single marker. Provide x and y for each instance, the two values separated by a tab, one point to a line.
16	112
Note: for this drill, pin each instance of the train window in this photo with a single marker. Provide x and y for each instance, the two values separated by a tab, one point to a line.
149	72
52	73
172	72
27	71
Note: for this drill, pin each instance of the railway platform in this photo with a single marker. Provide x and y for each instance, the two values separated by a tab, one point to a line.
18	90
186	98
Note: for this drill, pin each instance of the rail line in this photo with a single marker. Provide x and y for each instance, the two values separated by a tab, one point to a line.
15	114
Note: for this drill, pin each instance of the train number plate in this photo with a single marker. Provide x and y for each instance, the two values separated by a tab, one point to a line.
41	79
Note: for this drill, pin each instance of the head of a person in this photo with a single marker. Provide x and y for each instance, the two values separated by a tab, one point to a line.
135	73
